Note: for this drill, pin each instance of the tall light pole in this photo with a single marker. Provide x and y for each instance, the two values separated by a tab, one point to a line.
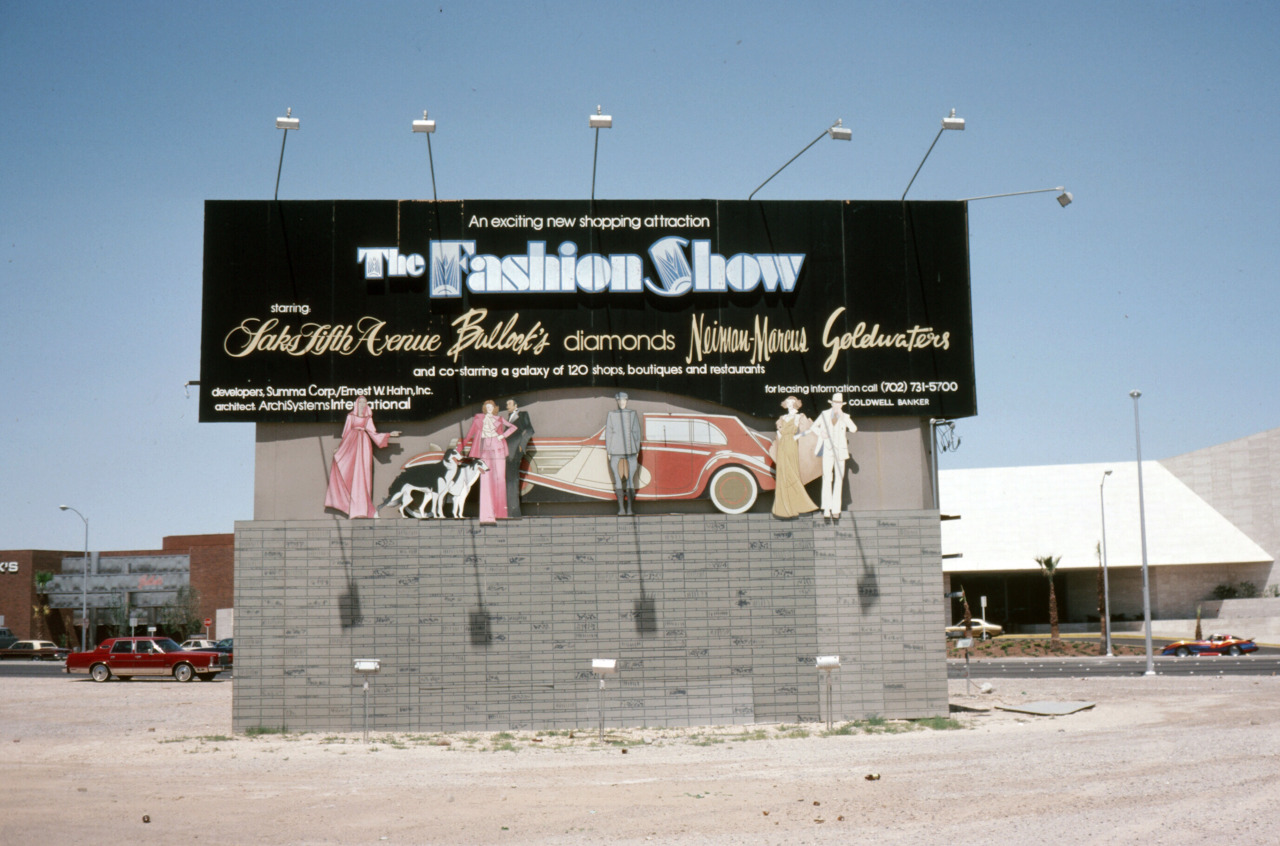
838	132
84	583
1142	524
1106	587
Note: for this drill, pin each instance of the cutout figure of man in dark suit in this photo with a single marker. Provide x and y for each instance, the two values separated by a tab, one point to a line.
517	444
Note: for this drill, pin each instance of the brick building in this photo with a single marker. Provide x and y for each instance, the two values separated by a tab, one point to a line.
140	581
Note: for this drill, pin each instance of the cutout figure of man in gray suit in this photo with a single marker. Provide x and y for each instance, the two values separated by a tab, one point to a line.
622	443
517	444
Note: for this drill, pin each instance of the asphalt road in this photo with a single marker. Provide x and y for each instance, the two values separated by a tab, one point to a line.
45	669
1246	665
29	669
1258	664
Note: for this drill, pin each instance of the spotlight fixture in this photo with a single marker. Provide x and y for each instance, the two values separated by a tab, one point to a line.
424	125
840	132
953	122
288	121
599	121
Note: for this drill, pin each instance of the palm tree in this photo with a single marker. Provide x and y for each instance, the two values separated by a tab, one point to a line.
1049	565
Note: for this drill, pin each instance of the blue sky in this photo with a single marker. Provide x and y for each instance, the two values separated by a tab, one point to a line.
120	120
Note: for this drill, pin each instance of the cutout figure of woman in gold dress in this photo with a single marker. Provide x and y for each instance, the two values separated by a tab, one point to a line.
790	498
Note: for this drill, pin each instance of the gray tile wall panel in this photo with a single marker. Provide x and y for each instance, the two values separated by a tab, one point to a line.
713	620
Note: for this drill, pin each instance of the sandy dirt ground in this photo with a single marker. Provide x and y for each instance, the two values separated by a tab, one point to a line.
1163	760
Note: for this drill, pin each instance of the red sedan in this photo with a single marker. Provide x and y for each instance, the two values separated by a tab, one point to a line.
126	657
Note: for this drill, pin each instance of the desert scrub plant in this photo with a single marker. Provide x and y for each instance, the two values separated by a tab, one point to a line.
258	731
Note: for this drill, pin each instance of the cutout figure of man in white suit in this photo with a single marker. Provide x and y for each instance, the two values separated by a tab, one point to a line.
833	428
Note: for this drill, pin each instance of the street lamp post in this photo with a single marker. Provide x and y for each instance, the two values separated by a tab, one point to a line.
84	583
1106	587
1142	525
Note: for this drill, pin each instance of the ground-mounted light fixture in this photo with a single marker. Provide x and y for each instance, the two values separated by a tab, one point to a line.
951	122
828	664
428	128
286	123
366	667
601	667
838	132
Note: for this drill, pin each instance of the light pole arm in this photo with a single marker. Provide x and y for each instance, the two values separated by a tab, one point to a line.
922	161
789	161
1011	194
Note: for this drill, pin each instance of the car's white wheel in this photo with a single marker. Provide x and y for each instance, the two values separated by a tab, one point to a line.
1234	650
733	490
184	672
100	672
1182	652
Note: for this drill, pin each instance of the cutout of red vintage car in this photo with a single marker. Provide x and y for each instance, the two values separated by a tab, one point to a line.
682	456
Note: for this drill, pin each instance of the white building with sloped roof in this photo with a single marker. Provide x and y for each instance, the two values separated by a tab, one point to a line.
1211	519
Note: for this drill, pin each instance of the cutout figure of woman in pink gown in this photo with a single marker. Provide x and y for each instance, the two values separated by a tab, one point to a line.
487	439
351	473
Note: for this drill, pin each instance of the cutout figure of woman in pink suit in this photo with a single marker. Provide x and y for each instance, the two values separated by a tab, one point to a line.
351	473
488	440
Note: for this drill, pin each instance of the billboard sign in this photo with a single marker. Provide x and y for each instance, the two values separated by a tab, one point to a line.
425	307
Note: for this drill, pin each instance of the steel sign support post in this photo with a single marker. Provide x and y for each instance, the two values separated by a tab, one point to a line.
1142	524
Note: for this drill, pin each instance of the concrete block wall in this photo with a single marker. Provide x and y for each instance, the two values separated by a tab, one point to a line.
713	620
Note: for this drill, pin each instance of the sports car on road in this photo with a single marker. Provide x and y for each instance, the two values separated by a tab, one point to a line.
1215	644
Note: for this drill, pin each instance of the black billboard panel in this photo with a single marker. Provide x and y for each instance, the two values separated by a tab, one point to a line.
427	307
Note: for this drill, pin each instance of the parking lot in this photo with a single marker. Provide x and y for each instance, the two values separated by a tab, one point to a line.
155	761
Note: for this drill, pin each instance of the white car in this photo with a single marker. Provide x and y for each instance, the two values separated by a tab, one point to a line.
194	644
981	628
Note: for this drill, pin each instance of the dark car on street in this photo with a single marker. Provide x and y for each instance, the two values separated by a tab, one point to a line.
33	650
